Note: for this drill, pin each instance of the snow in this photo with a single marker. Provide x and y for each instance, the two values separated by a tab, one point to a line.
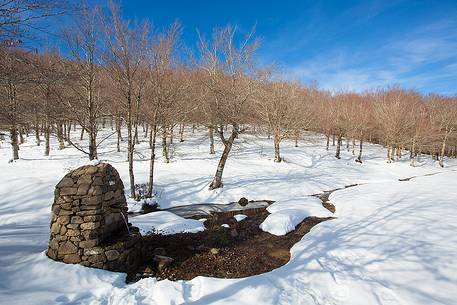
392	242
137	205
286	215
225	225
166	223
240	217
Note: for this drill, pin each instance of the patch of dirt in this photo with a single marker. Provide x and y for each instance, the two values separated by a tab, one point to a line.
241	250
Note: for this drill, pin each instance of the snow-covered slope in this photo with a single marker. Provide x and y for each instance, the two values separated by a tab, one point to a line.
393	242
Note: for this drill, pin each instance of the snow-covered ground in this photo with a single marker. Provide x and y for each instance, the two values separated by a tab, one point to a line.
394	242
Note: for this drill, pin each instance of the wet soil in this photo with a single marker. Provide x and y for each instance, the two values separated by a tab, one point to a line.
241	250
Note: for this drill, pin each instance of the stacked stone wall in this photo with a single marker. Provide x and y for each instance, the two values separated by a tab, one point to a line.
89	222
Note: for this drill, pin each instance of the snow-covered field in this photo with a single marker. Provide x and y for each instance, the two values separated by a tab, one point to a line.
394	242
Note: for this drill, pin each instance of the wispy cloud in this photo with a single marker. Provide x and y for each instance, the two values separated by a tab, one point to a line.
422	58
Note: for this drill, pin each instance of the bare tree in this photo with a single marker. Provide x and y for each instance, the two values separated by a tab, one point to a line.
229	67
124	61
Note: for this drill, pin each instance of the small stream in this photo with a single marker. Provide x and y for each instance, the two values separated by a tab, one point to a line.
206	209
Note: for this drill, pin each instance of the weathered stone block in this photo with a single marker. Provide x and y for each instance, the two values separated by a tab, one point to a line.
72	259
65	182
89	225
77	219
89	243
112	255
82	189
67	248
68	191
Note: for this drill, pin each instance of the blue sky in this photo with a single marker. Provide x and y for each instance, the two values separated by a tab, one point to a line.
343	45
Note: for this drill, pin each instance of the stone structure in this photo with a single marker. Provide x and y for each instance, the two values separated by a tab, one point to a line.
89	221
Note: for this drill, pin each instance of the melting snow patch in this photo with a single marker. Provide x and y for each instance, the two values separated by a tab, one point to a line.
225	225
240	217
286	215
166	223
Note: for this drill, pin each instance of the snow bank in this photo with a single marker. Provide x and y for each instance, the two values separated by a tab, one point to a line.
166	223
286	215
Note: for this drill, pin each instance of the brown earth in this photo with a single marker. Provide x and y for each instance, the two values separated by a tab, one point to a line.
239	251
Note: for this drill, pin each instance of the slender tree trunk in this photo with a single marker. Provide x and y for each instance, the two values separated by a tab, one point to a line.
146	130
181	132
388	154
443	149
152	145
60	136
276	141
211	139
93	145
353	146
21	135
130	149
217	180
333	140
14	142
82	133
37	133
171	134
359	158
412	156
68	132
166	157
328	142
47	138
338	147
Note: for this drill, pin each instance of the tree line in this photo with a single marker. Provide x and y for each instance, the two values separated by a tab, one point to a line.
147	82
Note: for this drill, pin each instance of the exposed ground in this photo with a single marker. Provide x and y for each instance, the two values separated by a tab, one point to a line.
241	250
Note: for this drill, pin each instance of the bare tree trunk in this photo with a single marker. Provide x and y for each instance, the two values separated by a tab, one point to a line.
146	130
328	141
93	146
166	157
37	133
211	139
130	148
353	146
359	158
152	145
171	134
276	144
217	181
68	132
21	135
14	142
47	136
388	154
338	147
82	134
181	132
60	136
333	140
412	155
443	149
